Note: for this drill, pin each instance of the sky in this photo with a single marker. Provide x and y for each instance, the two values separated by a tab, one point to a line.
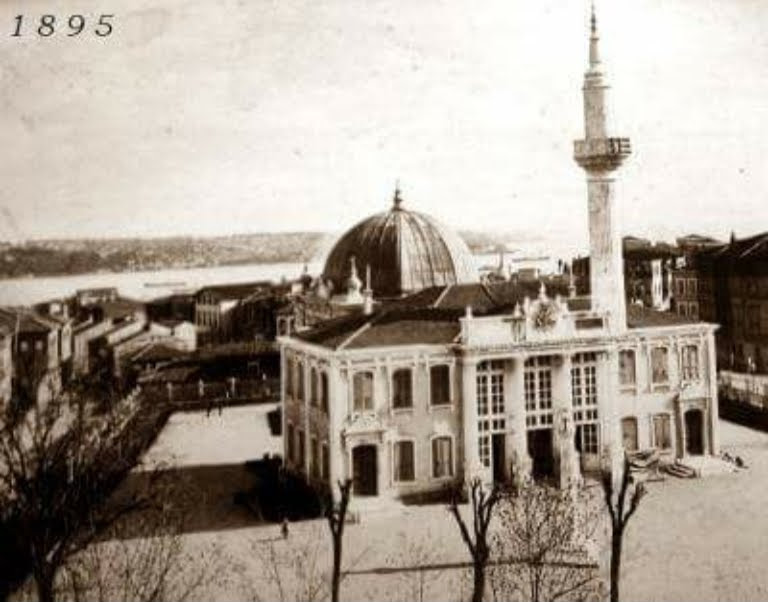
214	117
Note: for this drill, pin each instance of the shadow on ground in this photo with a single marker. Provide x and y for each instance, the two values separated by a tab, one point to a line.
223	496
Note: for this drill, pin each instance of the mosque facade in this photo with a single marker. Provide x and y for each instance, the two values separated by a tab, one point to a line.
439	378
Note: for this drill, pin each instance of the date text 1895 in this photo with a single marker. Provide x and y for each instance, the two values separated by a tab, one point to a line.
69	25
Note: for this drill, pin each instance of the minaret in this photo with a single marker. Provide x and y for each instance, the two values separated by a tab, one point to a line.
600	155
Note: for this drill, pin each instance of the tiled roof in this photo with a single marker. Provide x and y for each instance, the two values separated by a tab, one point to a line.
155	352
24	320
120	307
429	317
643	317
234	291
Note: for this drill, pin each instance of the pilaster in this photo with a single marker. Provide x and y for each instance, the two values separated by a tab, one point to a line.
517	431
472	466
713	405
564	432
336	414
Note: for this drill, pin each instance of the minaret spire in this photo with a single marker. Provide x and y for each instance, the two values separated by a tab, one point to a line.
600	155
594	39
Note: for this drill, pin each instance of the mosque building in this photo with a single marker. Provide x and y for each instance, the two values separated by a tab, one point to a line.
452	379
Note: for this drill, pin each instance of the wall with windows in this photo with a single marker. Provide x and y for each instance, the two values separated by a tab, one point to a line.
653	372
414	398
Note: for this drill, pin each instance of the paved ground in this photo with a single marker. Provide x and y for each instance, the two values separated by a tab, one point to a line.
698	539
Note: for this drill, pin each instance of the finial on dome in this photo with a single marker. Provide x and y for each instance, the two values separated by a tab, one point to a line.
397	200
593	20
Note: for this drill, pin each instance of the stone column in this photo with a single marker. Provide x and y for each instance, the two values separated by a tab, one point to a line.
714	409
567	457
336	414
472	466
517	430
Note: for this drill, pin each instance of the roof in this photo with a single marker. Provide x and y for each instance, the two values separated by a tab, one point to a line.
158	352
408	326
25	321
120	307
405	250
488	297
643	317
234	291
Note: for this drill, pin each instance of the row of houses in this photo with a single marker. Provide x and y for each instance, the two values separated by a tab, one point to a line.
96	332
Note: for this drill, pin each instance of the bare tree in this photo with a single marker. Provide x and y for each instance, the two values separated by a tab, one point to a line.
293	569
58	464
622	503
337	516
419	575
482	505
541	548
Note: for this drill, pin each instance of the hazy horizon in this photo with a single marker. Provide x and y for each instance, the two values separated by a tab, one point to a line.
197	118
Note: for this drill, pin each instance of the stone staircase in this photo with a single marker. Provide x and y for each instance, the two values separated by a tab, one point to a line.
363	509
699	466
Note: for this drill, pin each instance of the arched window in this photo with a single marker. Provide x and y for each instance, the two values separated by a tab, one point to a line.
324	391
300	381
313	392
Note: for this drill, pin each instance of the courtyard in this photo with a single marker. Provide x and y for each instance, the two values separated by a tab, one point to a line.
692	539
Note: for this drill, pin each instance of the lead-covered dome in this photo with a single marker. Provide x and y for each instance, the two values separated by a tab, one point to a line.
405	250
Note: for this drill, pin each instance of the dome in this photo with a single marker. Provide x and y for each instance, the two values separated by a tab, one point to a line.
406	251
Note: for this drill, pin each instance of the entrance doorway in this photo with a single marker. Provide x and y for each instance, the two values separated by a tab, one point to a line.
541	452
364	470
499	457
694	432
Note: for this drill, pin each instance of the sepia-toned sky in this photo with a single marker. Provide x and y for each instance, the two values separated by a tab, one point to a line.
208	116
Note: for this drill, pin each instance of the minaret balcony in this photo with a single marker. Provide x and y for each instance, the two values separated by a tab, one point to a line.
601	154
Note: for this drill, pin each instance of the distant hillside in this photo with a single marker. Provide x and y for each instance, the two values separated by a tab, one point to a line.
79	256
58	257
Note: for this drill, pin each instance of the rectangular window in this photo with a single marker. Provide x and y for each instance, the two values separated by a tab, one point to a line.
290	434
660	365
363	391
662	437
289	375
537	378
315	456
627	375
587	438
629	433
490	388
300	382
442	457
402	396
690	362
440	385
302	450
404	464
326	461
313	397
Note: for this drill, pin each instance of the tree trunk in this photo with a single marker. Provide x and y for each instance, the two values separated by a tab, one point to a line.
44	585
336	576
478	590
616	541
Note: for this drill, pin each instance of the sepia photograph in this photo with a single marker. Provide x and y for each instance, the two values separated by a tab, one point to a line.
333	300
